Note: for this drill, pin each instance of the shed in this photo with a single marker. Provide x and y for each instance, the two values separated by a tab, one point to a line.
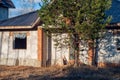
24	42
21	40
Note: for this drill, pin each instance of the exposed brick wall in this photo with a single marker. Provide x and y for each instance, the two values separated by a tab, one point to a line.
90	52
90	56
40	50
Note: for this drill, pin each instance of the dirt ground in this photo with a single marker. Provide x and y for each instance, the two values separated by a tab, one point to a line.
59	73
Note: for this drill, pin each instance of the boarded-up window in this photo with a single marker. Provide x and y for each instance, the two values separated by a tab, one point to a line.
20	41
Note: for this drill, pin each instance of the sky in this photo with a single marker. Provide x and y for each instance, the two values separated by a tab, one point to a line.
24	6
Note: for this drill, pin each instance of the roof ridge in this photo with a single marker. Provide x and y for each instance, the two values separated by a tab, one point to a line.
27	19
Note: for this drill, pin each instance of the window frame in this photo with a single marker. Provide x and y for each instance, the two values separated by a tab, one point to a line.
14	38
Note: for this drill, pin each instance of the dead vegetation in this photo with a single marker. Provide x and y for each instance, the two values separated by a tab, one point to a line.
59	73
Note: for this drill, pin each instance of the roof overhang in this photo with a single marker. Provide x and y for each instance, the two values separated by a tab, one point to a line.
15	27
113	26
21	27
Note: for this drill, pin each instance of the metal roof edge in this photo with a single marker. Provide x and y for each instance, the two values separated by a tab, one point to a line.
15	27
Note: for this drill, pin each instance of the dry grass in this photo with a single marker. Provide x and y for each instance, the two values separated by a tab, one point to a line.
58	73
18	72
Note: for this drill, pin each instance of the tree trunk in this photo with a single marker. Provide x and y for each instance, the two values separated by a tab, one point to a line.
96	52
76	50
76	64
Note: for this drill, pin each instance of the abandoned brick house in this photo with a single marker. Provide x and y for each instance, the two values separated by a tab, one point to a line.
23	41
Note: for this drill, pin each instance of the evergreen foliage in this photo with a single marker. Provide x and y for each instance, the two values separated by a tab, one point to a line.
82	19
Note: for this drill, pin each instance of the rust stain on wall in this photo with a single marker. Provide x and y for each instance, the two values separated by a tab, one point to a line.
11	33
28	33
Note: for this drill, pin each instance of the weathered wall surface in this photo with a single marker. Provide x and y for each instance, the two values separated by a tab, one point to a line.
107	53
3	13
84	52
26	57
107	50
57	54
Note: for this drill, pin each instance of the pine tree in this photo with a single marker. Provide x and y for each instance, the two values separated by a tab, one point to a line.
82	19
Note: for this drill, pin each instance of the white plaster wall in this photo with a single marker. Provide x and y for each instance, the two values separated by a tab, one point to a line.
83	52
57	54
26	57
107	51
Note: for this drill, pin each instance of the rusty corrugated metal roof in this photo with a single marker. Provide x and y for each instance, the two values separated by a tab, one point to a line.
23	21
7	3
